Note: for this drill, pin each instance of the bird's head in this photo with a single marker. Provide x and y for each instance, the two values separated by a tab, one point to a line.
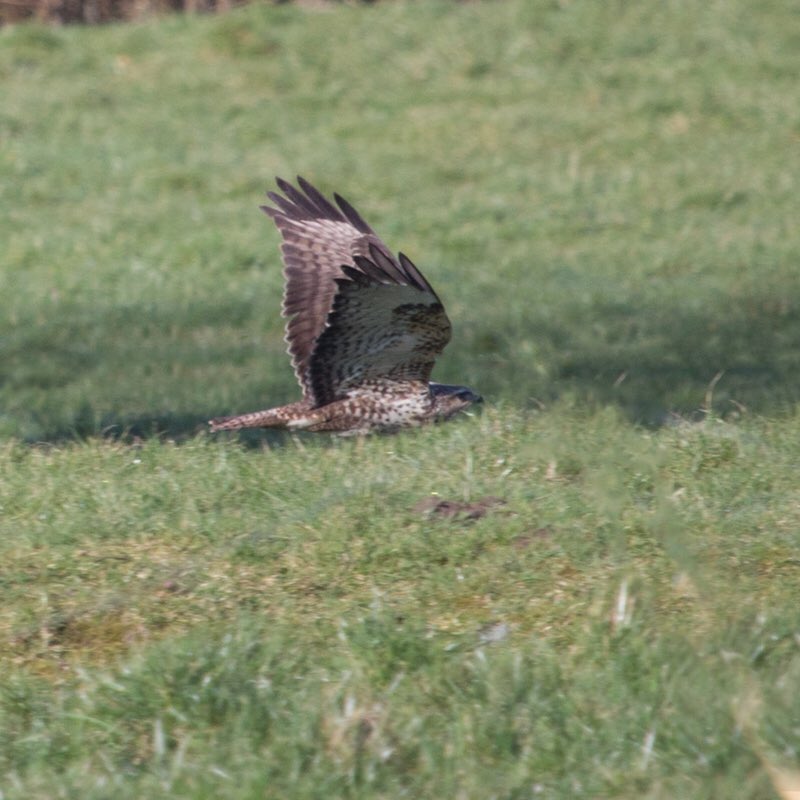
450	400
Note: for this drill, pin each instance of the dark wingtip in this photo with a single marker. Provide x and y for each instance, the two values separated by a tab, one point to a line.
284	206
361	276
414	275
324	206
386	264
351	215
364	264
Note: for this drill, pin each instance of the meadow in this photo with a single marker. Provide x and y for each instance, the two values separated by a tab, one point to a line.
589	588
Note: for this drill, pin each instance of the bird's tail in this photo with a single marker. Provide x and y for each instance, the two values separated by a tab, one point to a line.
280	417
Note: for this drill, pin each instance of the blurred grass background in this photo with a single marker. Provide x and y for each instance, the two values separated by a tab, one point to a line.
605	196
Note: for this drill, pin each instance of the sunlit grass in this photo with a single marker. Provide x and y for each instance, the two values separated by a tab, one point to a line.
289	616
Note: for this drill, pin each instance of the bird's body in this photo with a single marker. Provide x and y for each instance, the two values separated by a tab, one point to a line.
364	328
371	408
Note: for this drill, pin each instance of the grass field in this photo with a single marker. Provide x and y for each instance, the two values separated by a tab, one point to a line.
605	196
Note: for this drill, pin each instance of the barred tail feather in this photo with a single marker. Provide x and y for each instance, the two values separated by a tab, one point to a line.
258	419
279	417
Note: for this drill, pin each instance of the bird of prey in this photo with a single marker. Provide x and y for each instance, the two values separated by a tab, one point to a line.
363	327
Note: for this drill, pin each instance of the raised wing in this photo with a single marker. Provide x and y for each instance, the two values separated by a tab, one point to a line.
318	240
386	325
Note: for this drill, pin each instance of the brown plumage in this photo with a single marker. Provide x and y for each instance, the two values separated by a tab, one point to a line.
363	327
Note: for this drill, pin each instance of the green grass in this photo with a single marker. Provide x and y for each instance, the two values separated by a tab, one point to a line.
605	195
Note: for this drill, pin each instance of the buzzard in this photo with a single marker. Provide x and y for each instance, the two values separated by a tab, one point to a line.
363	327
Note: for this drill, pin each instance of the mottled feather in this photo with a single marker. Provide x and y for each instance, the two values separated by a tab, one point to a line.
363	327
382	327
318	239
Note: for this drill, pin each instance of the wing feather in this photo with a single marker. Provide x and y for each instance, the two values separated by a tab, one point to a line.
352	216
382	328
317	197
318	239
354	311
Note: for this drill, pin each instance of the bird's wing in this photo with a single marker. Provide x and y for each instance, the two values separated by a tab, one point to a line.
319	238
386	325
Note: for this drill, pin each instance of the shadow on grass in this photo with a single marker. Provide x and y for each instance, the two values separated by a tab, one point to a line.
651	361
169	427
82	372
662	361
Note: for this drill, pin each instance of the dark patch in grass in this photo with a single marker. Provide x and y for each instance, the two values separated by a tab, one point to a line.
457	510
525	540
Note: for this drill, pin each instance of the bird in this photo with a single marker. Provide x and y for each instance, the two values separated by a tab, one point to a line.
364	327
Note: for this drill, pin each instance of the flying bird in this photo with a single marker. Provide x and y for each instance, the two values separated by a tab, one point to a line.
363	327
